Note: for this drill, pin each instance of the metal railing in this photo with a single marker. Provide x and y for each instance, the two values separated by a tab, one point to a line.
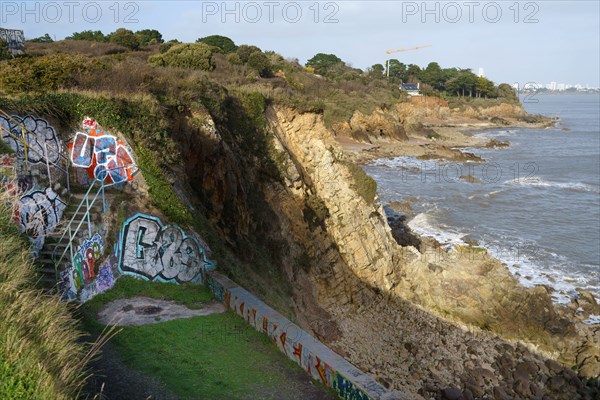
27	149
72	234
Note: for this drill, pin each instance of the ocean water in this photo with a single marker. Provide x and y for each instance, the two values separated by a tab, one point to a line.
536	206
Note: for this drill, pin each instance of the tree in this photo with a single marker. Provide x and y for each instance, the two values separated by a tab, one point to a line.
397	69
413	71
42	39
376	71
432	75
260	62
222	42
507	92
245	51
94	36
125	37
4	52
323	62
149	36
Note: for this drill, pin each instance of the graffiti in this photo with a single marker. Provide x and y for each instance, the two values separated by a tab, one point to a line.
70	284
40	136
153	251
89	123
103	156
39	214
15	40
85	258
345	389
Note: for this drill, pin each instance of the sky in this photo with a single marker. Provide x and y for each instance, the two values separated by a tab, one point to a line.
513	41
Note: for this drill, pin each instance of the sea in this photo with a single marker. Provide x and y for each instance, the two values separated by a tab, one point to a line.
534	205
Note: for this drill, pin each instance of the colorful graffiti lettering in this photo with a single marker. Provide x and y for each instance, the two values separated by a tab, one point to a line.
70	284
89	123
39	214
152	251
40	136
85	258
345	389
103	156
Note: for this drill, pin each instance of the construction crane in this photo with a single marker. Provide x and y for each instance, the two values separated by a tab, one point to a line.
399	51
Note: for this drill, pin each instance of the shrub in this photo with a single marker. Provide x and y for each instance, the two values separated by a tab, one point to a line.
187	55
4	53
245	51
259	62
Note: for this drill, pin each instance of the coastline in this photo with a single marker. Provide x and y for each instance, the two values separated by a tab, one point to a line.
447	141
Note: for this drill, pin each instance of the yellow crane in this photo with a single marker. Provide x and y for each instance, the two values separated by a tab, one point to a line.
399	51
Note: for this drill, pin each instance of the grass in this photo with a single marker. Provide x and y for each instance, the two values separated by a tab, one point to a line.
213	357
41	356
216	357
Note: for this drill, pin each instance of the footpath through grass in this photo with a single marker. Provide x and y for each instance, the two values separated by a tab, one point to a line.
212	357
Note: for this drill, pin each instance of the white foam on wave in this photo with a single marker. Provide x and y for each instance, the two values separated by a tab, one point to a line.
496	133
536	181
519	259
424	225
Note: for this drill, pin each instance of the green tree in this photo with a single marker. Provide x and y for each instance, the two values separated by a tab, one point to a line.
508	93
397	69
149	36
4	52
412	72
42	39
245	51
376	71
187	55
222	42
94	36
432	75
323	62
125	37
260	62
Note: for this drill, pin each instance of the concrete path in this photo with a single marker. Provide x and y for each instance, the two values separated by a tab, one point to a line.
137	311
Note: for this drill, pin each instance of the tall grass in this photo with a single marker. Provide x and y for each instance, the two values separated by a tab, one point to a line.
41	355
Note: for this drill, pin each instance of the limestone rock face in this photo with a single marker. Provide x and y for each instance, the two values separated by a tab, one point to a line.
363	279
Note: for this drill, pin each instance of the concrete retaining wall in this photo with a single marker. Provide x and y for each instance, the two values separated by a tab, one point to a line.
313	356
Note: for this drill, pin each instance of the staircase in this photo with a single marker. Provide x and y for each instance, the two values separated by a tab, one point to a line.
77	225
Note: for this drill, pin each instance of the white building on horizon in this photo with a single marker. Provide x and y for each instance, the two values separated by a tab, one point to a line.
481	74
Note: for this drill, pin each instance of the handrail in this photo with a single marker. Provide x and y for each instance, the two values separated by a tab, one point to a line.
86	215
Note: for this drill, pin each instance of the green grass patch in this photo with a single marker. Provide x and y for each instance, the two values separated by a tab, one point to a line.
363	183
214	357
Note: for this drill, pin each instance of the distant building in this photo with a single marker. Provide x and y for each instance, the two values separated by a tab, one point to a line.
413	89
481	74
15	39
552	86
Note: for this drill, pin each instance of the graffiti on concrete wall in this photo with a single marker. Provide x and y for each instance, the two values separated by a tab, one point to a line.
103	156
89	123
71	286
85	258
39	214
346	390
15	39
40	137
157	252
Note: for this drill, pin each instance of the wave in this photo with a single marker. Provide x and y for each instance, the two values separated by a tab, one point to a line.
540	182
530	264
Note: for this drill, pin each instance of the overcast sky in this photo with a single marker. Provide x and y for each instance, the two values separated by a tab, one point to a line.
515	42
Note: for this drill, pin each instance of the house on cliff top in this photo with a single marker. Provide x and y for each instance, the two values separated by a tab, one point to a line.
413	89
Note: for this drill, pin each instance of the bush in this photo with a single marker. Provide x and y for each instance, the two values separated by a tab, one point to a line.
245	51
4	53
187	55
259	62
